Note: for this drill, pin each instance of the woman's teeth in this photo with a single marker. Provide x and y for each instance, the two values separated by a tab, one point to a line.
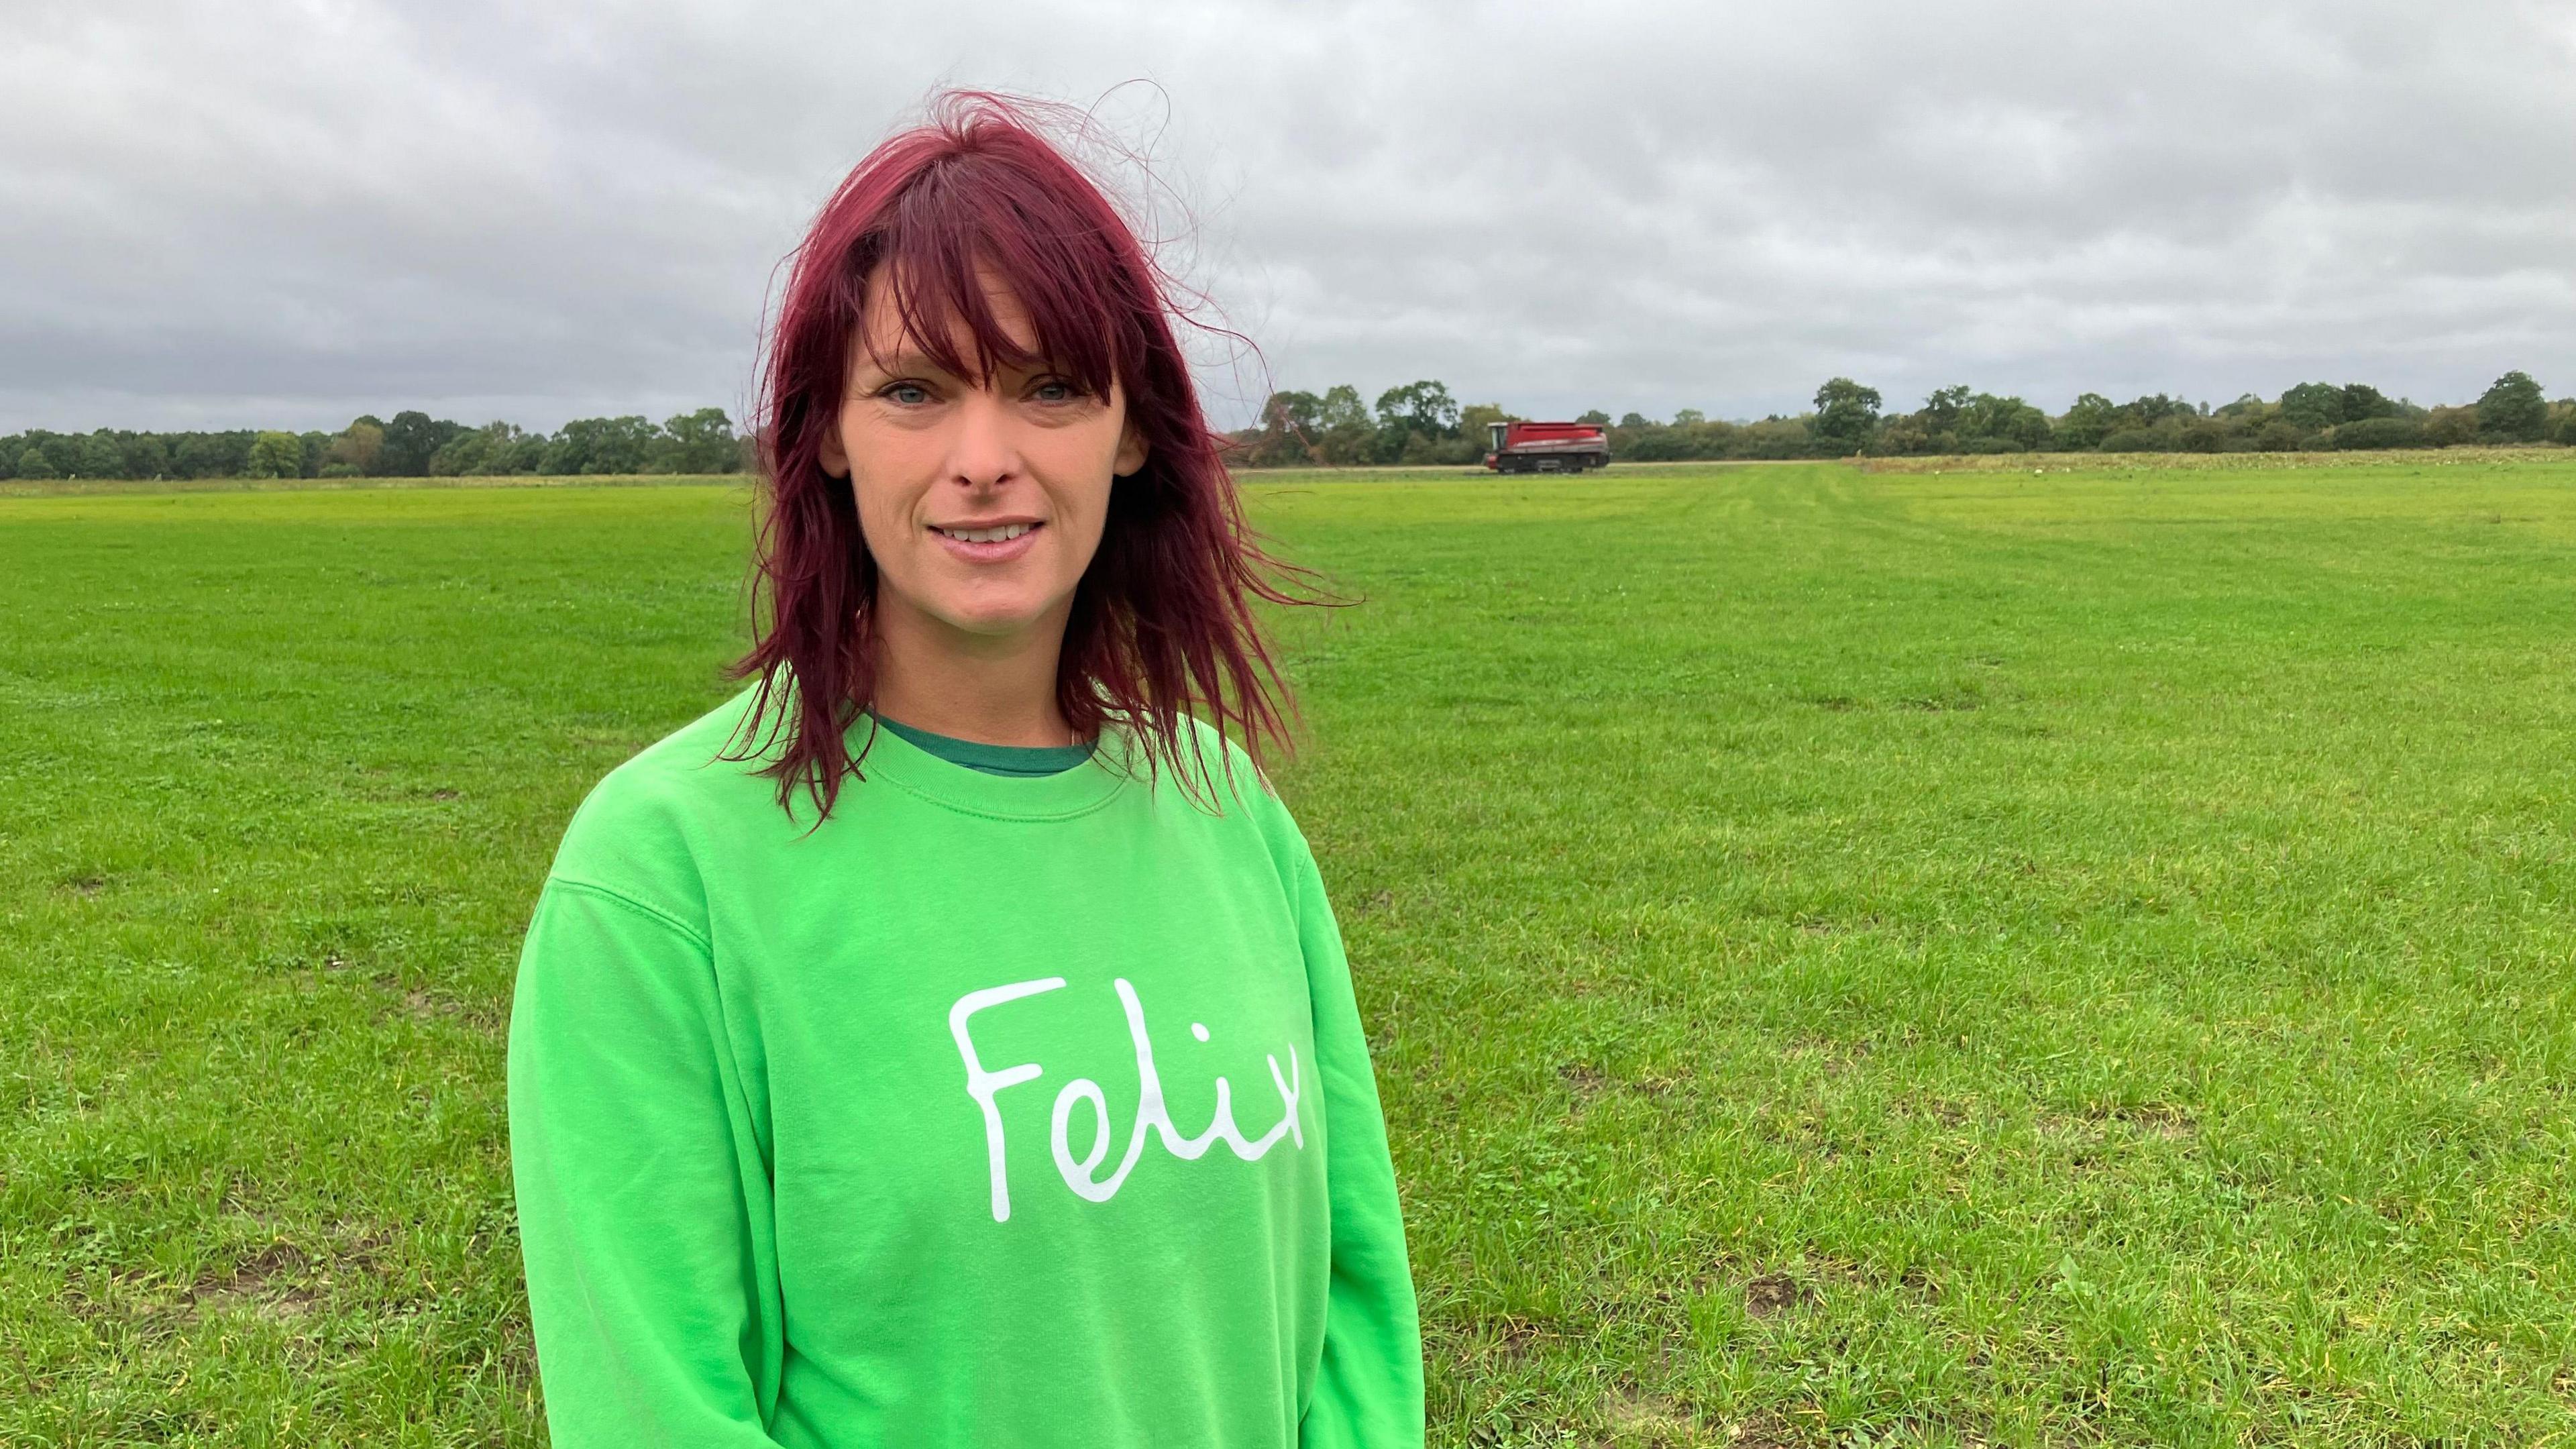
1003	534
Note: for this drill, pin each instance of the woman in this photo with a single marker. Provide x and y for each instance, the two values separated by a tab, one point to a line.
947	1042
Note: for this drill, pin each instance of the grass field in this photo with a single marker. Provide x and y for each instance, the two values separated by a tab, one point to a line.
1854	958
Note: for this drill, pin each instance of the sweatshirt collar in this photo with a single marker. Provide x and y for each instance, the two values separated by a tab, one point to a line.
908	767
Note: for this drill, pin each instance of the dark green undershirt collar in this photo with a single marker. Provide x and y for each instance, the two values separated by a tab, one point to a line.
1020	760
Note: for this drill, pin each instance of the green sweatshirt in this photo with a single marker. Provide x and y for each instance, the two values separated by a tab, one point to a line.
996	1111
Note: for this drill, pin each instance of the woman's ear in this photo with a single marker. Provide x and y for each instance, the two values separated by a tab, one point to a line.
836	459
1131	452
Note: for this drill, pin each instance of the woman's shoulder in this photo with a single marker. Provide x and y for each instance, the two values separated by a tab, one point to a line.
1223	779
1205	766
644	829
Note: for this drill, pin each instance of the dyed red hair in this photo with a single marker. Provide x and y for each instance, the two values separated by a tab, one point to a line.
1163	626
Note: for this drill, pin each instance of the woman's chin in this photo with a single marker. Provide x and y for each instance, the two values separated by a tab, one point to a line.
992	619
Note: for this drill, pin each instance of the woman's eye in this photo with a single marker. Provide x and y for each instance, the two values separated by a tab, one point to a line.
905	394
1054	390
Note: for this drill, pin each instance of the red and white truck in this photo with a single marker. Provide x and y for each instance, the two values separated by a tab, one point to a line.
1548	447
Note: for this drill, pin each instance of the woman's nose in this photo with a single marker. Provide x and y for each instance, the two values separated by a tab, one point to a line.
983	453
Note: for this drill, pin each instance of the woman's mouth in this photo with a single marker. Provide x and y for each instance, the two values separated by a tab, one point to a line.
988	543
998	533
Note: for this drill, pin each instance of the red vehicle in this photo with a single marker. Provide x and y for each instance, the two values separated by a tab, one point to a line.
1548	447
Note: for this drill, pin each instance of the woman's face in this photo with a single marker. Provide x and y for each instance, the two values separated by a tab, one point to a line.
982	504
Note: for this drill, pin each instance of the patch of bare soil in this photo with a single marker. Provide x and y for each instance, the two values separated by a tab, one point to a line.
2162	1119
1586	1079
267	1284
1774	1293
1653	1420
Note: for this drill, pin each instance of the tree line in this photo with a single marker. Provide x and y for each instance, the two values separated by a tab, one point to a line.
410	445
1420	423
1417	423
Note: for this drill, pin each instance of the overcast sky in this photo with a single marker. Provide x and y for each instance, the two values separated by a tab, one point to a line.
271	213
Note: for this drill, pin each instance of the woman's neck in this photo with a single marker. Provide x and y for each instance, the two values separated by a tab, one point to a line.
994	689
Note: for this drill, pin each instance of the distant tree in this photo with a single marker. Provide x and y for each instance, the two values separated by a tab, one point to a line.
142	455
2205	435
2149	411
2513	410
1689	418
601	445
1421	450
98	456
2380	432
2132	440
466	453
2567	428
2444	427
1775	437
1302	412
1940	411
1340	407
1984	416
698	442
1648	441
1902	435
1290	423
2362	401
224	454
1846	416
360	448
515	451
1593	415
2312	406
493	449
411	440
1424	408
1711	438
1297	412
2092	418
1345	425
2278	436
275	455
32	463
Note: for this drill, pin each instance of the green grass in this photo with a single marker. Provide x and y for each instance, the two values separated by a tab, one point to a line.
1854	958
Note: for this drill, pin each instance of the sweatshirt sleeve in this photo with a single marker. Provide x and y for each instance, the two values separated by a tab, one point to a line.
1368	1392
642	1196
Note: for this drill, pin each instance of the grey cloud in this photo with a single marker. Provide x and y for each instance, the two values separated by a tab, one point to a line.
292	212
